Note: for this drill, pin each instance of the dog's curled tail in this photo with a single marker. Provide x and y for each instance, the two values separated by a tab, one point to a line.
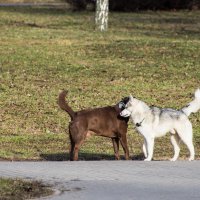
194	105
63	104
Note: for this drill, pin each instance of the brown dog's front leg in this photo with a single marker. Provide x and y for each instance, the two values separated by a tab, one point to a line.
123	141
116	147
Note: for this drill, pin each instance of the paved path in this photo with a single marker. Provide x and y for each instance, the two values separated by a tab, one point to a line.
117	180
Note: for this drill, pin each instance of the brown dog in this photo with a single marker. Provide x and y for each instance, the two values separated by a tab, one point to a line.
99	121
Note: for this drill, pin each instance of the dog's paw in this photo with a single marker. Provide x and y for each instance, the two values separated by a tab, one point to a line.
173	159
191	159
147	159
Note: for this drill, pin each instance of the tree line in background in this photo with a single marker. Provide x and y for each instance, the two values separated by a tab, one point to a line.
136	5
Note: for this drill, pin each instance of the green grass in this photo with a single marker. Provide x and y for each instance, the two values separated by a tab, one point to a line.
11	189
152	55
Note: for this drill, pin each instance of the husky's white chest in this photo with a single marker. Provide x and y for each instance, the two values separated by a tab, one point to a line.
154	129
146	130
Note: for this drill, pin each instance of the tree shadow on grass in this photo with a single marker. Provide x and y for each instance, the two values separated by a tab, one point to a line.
41	12
38	10
85	157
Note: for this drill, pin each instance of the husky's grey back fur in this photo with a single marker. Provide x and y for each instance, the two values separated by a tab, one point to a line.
166	112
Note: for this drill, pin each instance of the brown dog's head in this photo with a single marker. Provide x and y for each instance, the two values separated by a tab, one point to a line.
121	105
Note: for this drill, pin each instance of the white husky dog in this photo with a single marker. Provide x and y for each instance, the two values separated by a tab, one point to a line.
154	122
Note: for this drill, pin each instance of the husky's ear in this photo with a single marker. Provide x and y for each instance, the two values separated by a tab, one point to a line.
131	97
197	94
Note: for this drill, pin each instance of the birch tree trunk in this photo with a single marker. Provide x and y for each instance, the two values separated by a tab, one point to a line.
101	18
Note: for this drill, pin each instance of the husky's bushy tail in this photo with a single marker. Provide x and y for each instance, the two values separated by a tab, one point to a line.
64	105
194	105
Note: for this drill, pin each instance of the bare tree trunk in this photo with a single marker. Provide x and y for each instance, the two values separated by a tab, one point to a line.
101	18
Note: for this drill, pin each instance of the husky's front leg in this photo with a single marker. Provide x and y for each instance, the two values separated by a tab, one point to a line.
144	148
150	146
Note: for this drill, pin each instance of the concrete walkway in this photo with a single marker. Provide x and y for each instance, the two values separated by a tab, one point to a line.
117	180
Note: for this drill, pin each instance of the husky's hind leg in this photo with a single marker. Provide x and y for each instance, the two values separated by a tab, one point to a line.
175	140
185	133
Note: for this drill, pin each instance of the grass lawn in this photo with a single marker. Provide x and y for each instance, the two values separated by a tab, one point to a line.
18	189
153	55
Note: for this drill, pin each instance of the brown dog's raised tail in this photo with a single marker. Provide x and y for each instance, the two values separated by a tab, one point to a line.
63	104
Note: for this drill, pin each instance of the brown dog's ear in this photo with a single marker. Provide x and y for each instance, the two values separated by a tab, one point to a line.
125	100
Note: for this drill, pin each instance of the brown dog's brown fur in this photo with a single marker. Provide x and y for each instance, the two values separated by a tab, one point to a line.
103	121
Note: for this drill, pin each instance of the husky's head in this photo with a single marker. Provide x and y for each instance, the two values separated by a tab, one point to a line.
129	107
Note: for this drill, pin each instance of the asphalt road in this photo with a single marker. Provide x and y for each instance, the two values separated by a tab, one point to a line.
117	180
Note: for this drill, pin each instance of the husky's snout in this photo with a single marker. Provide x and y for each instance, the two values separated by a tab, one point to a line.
125	113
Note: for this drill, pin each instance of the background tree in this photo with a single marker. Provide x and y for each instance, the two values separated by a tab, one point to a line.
101	18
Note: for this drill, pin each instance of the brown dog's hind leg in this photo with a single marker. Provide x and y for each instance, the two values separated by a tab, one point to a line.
123	142
72	143
116	147
76	149
72	150
76	139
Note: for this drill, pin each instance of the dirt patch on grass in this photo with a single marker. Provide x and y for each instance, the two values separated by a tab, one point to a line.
20	189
